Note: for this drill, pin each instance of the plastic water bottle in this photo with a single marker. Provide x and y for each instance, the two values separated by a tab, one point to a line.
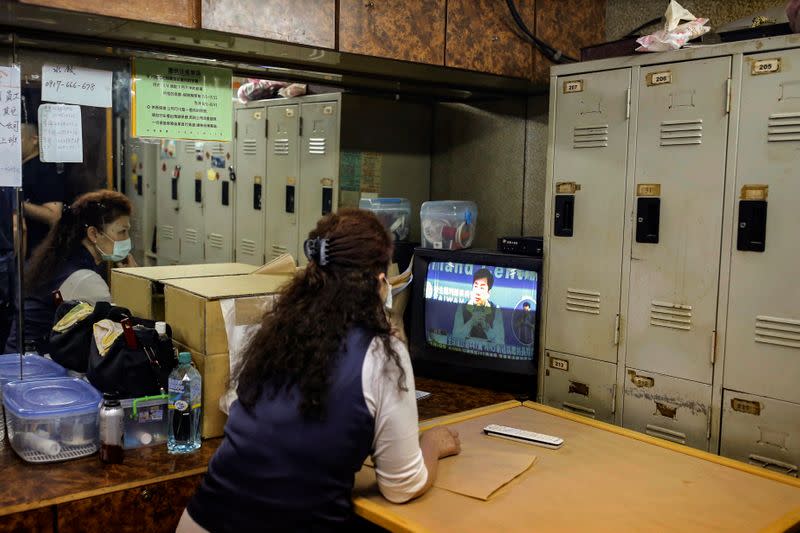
184	406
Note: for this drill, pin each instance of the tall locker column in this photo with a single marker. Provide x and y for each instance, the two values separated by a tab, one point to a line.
682	124
283	179
319	166
192	157
170	173
761	398
133	187
218	201
251	172
585	234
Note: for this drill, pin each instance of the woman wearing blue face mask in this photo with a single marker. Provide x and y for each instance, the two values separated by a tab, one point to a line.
71	260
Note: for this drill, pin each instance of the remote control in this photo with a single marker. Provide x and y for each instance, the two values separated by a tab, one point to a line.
520	435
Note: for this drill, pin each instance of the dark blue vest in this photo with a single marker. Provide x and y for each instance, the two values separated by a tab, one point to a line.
279	471
40	309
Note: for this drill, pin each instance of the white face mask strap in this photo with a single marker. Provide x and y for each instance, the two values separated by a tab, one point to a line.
389	299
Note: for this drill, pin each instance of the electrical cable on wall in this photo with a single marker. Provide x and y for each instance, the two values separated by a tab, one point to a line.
556	56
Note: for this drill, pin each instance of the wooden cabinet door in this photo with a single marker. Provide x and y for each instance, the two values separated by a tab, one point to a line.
310	22
35	521
396	29
153	508
482	36
185	13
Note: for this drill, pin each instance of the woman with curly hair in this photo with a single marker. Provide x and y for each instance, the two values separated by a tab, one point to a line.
323	384
71	260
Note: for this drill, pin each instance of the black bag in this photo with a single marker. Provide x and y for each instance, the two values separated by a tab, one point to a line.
70	338
137	363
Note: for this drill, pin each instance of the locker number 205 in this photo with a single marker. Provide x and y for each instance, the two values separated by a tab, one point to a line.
766	66
559	364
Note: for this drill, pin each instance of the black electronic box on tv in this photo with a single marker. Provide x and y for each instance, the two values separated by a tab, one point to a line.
531	246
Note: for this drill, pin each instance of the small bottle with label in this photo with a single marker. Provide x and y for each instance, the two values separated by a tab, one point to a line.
111	425
185	393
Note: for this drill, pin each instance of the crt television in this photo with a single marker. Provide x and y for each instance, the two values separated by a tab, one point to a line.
475	314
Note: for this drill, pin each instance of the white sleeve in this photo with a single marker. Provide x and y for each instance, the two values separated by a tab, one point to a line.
399	465
85	285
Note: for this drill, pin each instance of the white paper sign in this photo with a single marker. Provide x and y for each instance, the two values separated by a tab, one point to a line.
60	133
10	144
69	84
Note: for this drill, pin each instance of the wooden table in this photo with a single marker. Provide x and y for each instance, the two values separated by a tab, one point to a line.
604	478
151	485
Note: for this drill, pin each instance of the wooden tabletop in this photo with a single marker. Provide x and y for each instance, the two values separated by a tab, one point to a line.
25	486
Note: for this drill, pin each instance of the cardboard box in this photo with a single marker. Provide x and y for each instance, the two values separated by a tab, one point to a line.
141	289
215	373
193	309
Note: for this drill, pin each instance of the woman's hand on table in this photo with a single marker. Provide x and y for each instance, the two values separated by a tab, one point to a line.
444	439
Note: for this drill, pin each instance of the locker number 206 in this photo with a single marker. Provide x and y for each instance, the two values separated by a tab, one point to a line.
660	78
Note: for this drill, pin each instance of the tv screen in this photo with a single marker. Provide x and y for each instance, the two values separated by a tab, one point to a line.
484	310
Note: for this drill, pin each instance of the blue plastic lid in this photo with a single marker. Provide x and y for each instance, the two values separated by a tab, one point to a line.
33	367
50	398
366	203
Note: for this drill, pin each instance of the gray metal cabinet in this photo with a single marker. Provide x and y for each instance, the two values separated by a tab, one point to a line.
673	409
190	199
587	208
218	202
170	174
250	138
761	431
579	385
762	345
681	147
141	165
283	180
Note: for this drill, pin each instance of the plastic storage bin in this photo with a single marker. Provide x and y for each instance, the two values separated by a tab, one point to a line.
394	213
52	419
145	421
448	224
33	367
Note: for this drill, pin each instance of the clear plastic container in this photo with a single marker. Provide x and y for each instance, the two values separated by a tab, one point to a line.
145	421
448	224
52	419
33	367
394	213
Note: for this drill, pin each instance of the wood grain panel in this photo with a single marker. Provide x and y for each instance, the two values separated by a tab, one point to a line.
310	22
396	29
184	13
155	508
567	25
482	36
37	521
449	398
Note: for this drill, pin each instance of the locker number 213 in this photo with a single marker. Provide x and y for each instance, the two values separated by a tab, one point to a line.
559	364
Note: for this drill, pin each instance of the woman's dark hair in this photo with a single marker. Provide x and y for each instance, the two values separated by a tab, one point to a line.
298	340
96	209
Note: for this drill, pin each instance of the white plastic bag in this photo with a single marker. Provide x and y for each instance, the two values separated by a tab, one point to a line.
674	35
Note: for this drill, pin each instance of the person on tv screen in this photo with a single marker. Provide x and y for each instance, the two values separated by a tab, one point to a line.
479	318
524	324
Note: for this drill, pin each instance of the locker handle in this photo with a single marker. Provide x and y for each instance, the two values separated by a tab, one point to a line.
614	398
616	330
648	215
257	196
289	207
666	434
772	464
327	200
232	173
226	193
198	191
564	215
579	409
752	232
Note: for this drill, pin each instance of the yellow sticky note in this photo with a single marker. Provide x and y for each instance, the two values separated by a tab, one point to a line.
212	174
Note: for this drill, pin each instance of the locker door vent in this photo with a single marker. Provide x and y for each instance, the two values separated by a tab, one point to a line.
317	145
248	247
189	148
217	149
669	315
281	147
778	331
167	232
783	127
681	132
583	301
191	235
590	136
250	147
278	250
215	240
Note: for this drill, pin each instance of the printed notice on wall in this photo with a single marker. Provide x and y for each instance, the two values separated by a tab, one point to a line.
69	84
10	145
181	101
60	133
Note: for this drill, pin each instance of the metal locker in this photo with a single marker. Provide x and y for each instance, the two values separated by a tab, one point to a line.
170	174
319	166
139	184
762	345
283	173
190	187
681	141
579	385
218	191
761	431
251	167
677	410
588	195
